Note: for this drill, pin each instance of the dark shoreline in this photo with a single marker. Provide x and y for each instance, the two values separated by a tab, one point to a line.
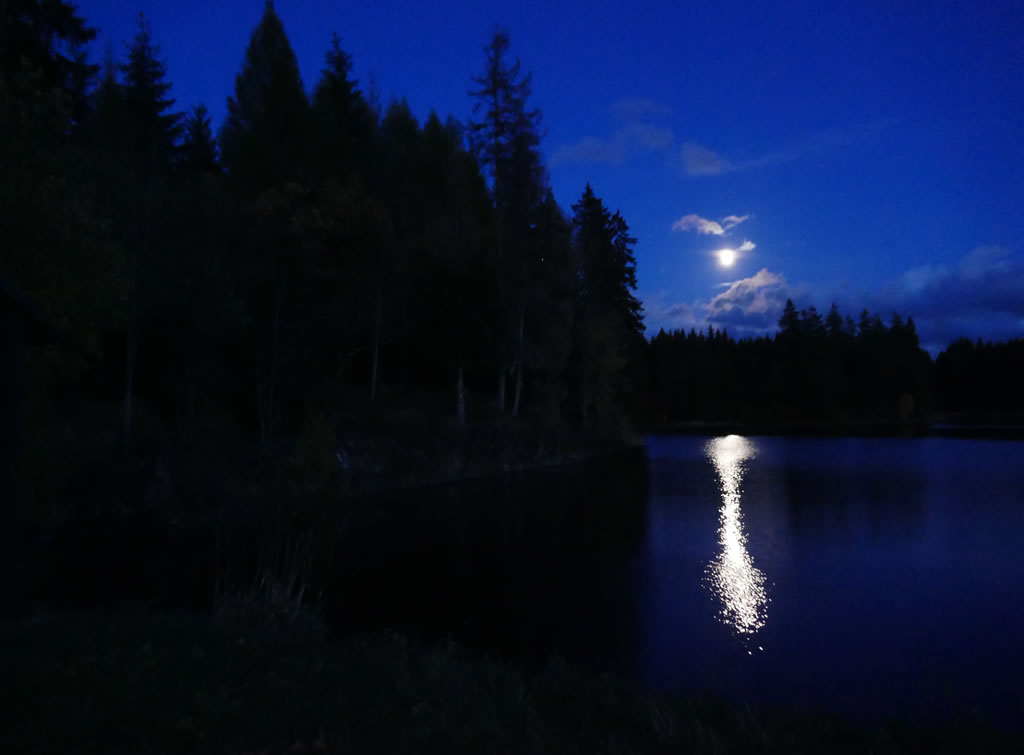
980	431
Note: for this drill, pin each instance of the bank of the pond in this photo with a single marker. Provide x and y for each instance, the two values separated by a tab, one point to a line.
860	428
83	478
152	684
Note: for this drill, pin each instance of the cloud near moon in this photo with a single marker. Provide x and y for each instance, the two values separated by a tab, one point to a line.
701	225
707	227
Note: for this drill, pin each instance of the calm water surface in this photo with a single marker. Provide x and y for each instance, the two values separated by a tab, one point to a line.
862	575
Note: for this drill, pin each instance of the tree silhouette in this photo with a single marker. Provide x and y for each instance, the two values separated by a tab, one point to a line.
265	135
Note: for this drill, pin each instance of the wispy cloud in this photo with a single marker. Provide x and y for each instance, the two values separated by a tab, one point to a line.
746	246
637	109
591	150
700	225
637	132
699	160
648	136
731	221
616	149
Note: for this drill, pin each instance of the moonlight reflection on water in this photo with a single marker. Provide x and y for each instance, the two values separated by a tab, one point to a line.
732	576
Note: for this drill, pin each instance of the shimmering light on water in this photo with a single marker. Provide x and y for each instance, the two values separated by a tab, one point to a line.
732	576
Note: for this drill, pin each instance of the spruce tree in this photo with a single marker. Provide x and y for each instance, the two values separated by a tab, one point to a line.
789	322
151	131
44	71
264	137
104	132
506	135
342	121
199	149
609	318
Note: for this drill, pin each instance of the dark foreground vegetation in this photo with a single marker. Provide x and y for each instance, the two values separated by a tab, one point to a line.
164	684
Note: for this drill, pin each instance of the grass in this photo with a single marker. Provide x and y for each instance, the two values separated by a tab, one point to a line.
177	684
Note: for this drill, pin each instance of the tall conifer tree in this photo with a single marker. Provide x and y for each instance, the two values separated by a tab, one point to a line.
506	135
151	131
264	137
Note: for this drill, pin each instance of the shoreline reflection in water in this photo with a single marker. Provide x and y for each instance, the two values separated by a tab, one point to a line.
732	576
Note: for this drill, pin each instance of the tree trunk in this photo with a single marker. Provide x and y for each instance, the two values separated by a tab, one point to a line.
13	387
460	398
190	405
268	380
131	346
519	364
584	384
376	337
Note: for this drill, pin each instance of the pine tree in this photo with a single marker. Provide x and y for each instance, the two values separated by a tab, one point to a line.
104	131
834	323
151	131
264	137
199	148
506	137
551	286
789	322
44	70
343	122
609	320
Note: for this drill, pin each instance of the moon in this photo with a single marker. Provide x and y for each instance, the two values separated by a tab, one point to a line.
726	257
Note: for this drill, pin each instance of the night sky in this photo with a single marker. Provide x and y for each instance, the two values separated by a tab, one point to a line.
868	152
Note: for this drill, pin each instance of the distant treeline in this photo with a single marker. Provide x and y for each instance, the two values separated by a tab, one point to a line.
831	369
320	257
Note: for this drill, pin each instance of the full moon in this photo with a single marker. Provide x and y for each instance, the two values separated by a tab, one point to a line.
726	257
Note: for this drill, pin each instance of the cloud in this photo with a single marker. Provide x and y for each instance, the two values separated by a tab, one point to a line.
698	160
747	307
637	109
981	296
747	246
701	161
635	133
698	224
648	136
750	305
591	150
615	150
671	315
707	227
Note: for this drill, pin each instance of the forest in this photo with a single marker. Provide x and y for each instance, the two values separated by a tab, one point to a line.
834	371
320	261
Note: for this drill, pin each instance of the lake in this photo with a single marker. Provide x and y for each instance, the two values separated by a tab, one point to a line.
864	576
867	576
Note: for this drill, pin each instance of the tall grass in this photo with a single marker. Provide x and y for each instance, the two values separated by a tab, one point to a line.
278	597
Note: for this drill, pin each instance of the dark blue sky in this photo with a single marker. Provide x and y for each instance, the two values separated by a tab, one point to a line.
873	151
